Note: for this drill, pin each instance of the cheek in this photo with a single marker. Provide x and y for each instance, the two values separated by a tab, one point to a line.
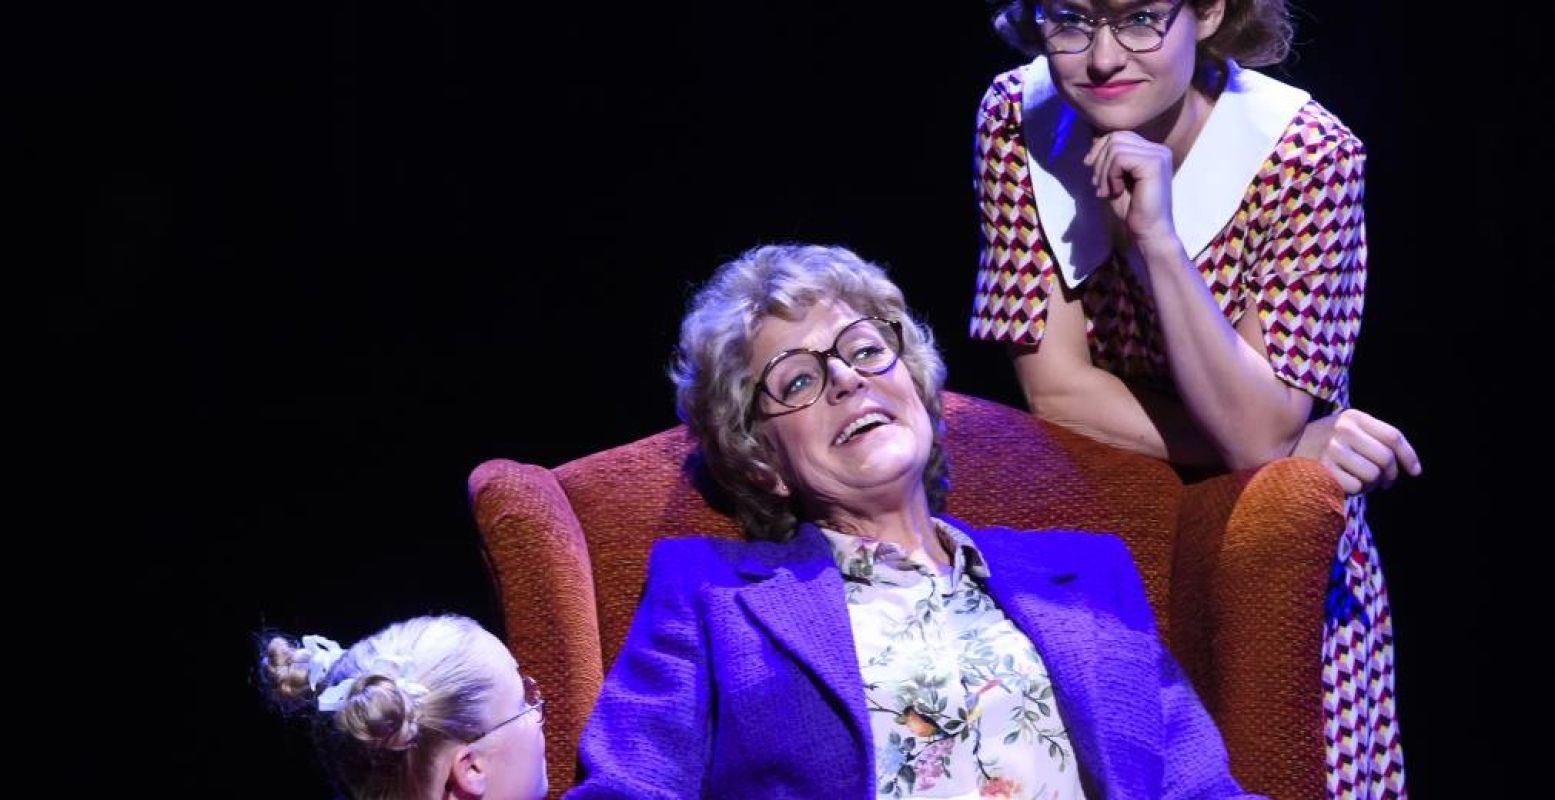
796	434
1061	73
1183	59
911	399
536	754
527	756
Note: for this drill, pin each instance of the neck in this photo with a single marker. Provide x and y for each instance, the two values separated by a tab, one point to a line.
1180	126
906	524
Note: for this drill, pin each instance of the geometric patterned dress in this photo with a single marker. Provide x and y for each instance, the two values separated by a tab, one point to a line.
1294	253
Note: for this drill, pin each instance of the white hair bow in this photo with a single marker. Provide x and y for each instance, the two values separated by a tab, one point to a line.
389	666
322	654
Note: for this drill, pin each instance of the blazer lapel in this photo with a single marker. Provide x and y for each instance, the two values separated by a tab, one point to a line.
1100	693
798	599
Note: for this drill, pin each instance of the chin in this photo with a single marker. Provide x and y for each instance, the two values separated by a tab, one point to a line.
890	467
1106	120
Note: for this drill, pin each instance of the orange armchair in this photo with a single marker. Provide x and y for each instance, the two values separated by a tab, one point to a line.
1235	566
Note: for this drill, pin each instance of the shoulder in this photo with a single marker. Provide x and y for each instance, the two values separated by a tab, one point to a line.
1316	139
1104	561
711	561
694	548
1092	552
1008	85
696	555
1068	567
1002	98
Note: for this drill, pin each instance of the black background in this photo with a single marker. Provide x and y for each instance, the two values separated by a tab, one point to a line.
317	261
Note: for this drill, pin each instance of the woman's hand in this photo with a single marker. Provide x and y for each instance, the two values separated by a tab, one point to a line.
1359	450
1135	176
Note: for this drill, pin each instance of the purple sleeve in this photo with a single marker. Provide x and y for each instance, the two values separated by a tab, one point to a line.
1193	753
648	734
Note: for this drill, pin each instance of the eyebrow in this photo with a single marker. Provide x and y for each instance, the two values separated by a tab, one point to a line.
830	339
1113	8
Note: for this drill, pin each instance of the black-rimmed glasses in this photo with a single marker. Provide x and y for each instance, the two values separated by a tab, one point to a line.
795	379
1143	30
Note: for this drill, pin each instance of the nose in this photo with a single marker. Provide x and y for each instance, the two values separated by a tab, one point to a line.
842	379
1107	55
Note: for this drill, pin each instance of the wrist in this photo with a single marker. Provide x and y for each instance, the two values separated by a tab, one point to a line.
1163	248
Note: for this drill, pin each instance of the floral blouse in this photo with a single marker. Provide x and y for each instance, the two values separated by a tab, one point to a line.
960	703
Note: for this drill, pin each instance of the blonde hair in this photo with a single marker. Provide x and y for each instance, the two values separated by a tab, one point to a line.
714	387
415	686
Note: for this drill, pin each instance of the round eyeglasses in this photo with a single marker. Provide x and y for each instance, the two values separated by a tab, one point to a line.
795	379
1143	30
533	702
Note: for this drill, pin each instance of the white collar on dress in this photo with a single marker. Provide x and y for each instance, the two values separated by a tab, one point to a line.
1245	124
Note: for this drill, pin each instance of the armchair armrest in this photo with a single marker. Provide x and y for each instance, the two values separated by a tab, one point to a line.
539	558
1254	553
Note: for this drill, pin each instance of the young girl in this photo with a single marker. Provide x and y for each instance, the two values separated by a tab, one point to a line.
433	707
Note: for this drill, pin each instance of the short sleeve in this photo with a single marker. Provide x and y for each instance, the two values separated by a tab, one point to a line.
1310	274
1015	273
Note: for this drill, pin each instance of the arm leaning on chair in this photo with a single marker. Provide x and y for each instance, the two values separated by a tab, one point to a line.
648	735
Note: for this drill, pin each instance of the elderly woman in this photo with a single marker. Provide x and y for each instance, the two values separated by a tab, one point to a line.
858	645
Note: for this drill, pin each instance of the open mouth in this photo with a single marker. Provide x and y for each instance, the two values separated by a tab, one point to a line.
859	427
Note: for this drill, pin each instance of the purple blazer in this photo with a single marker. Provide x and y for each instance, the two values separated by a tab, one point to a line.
738	678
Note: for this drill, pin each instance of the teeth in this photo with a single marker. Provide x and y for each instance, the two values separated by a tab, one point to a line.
858	424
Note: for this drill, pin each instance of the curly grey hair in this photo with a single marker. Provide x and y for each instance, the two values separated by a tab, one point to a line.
714	387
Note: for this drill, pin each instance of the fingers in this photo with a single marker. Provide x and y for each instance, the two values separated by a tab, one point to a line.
1407	456
1355	473
1363	443
1116	159
1379	441
1110	161
1111	183
1389	437
1358	437
1356	449
1349	483
1090	155
1099	159
1359	450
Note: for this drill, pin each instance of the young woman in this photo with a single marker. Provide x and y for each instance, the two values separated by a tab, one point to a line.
1174	250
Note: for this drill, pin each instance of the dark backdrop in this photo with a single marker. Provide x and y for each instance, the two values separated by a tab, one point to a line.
324	258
